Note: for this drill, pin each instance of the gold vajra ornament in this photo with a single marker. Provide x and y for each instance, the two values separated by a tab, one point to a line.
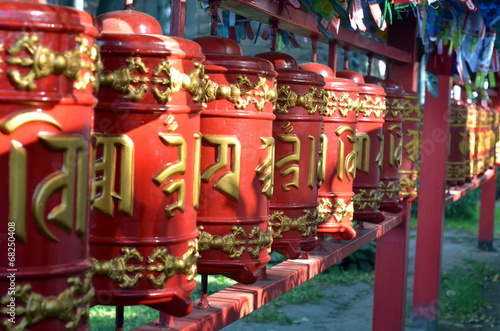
81	64
242	93
307	224
165	75
119	269
390	190
236	242
71	306
314	101
367	198
338	211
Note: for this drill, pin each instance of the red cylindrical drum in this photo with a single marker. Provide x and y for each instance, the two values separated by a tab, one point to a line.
338	159
237	160
145	188
471	160
457	144
49	63
393	134
409	169
369	149
297	132
482	129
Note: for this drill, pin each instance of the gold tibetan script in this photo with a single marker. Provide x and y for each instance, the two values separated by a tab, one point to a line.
229	182
346	164
265	169
363	152
312	163
412	146
104	183
178	167
395	143
289	160
71	179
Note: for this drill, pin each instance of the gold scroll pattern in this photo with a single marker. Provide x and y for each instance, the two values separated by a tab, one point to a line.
128	275
314	101
81	64
165	78
367	199
455	170
408	182
394	107
236	242
242	93
343	104
70	306
71	179
372	106
339	210
390	189
306	224
412	111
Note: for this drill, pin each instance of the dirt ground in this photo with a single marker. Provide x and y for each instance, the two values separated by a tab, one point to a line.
349	308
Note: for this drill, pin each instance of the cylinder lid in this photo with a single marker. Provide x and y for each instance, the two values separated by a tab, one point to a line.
128	21
319	68
218	45
279	60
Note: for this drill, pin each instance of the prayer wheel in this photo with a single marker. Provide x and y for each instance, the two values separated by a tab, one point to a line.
146	141
237	160
471	160
297	133
338	159
369	149
412	126
457	144
393	134
48	69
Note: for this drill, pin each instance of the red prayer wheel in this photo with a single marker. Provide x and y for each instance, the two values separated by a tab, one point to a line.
145	189
48	68
369	149
297	132
457	144
409	169
393	134
237	160
481	142
338	159
471	160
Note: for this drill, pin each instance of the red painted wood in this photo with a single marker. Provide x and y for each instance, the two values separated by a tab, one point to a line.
178	18
487	212
239	300
304	24
391	266
458	192
431	203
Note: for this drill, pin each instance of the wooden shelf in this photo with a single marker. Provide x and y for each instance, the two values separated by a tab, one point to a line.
455	193
304	24
239	300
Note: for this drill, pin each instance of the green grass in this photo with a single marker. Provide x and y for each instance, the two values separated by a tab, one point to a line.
461	298
102	318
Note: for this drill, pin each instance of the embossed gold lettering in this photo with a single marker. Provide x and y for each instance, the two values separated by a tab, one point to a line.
346	164
291	169
363	152
265	169
105	168
229	182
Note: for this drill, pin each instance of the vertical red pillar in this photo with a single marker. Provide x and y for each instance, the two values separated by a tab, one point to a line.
391	266
431	205
487	213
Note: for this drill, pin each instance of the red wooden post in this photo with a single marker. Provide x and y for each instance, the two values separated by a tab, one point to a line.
391	266
487	214
431	205
177	18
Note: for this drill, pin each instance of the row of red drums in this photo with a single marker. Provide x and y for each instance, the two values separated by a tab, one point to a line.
196	159
473	139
